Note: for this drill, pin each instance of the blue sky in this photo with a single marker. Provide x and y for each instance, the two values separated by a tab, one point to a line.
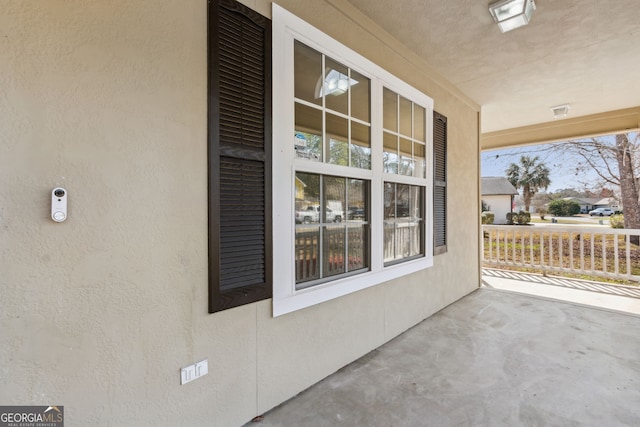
564	172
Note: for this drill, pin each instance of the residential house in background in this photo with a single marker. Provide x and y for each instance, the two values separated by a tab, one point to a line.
608	202
497	195
586	204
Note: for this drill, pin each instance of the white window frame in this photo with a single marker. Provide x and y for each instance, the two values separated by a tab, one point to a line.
286	28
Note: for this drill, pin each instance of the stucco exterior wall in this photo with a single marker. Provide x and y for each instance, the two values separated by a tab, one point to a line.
98	313
500	206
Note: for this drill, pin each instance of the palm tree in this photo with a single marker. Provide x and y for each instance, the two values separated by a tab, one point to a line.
530	175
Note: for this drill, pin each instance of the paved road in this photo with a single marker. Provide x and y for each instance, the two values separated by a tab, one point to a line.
583	220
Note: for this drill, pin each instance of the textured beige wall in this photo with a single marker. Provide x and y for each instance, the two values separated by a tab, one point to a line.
108	99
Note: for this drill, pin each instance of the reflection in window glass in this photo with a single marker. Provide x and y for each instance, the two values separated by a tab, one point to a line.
357	241
333	251
406	158
405	117
308	133
332	228
360	146
307	193
357	202
409	158
420	161
389	201
402	200
307	253
308	69
337	84
418	123
390	153
338	135
342	103
390	110
360	97
403	222
416	246
334	197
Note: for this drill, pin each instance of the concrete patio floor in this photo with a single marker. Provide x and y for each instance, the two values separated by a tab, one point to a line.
494	358
586	292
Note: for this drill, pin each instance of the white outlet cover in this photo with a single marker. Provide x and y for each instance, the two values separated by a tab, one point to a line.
192	372
187	374
202	368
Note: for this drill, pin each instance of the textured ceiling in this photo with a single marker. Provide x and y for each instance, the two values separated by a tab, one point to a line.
582	52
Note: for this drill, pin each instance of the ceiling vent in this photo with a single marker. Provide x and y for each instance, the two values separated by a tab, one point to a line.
560	111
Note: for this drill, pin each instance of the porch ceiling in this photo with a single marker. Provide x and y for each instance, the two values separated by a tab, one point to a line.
582	52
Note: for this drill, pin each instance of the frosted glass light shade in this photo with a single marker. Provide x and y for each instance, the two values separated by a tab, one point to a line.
512	14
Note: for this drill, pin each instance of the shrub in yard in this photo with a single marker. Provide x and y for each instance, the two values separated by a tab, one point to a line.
511	218
487	217
560	207
616	221
523	218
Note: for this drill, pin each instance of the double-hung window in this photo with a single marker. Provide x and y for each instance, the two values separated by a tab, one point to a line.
332	161
404	156
352	150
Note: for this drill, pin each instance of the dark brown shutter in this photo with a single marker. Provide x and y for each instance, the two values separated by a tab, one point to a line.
439	183
239	150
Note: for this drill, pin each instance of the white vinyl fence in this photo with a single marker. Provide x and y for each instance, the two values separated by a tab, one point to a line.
593	251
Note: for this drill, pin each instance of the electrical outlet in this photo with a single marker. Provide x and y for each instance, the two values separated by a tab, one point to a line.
202	368
192	372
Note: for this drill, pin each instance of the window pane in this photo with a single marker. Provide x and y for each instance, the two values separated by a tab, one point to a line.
360	97
308	133
308	260
418	123
334	239
334	198
308	72
389	201
338	135
405	117
357	193
336	86
390	110
406	159
357	252
307	190
360	146
403	221
402	200
326	243
403	226
307	253
416	221
390	153
419	160
389	221
415	202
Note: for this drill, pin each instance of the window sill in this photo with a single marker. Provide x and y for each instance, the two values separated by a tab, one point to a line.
283	304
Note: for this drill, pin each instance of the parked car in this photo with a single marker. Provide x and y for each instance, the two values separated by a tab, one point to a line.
312	214
355	212
601	212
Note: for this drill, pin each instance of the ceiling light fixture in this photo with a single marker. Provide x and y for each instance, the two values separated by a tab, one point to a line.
560	111
512	14
335	83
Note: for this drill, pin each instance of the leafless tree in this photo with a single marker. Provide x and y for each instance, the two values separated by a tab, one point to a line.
617	161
